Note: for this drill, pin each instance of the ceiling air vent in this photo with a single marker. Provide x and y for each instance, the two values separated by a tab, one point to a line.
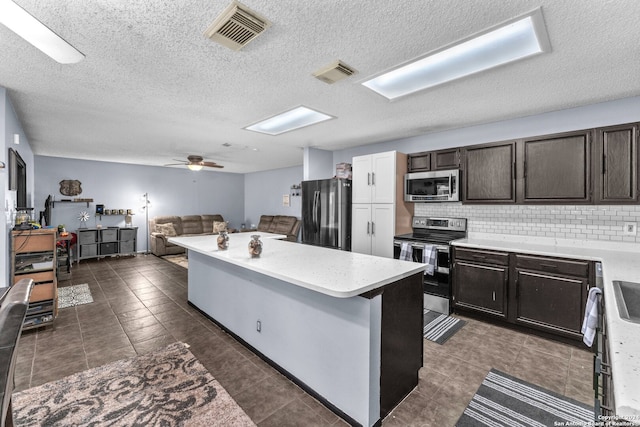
334	72
236	26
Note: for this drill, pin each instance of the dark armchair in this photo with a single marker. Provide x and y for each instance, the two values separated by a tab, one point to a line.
13	309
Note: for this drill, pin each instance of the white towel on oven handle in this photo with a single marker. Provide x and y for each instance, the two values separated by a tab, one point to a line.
429	253
590	322
406	251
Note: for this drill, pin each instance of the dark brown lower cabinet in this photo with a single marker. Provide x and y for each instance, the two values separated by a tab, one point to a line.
480	282
549	302
542	293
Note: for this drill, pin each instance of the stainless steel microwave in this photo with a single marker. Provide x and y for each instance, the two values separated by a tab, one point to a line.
436	186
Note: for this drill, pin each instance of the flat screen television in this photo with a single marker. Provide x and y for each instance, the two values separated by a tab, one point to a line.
18	178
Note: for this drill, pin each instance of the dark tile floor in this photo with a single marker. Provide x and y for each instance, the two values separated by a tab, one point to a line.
140	305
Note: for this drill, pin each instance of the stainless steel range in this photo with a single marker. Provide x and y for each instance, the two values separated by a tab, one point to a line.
430	243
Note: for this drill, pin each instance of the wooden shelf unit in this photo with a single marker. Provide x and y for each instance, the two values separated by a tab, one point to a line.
33	256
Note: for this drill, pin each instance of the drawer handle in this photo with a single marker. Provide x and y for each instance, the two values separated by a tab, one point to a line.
542	264
479	256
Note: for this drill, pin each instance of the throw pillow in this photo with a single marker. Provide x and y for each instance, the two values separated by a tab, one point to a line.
167	229
219	226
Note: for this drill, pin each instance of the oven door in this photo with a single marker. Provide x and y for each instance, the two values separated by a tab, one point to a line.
438	282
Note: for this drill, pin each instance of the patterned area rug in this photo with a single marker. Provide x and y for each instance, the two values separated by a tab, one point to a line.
440	327
178	259
503	400
70	296
169	387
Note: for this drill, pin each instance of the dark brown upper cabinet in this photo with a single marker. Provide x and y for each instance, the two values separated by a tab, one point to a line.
587	166
445	159
434	160
557	168
616	164
489	173
419	162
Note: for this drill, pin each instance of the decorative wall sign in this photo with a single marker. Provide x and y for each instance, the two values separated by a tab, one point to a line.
70	187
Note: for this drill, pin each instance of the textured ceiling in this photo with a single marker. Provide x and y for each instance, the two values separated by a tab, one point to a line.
152	88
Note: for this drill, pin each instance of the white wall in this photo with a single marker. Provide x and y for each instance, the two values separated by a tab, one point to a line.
172	191
263	193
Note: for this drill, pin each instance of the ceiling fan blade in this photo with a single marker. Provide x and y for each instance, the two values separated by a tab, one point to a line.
211	164
175	164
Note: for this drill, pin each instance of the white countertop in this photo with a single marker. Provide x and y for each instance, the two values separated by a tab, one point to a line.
329	271
620	261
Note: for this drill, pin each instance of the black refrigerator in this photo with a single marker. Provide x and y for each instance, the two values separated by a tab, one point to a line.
326	213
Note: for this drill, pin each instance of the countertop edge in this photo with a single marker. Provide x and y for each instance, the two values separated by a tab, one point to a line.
414	269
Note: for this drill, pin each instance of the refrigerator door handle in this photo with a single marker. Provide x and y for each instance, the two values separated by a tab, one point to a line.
313	211
316	211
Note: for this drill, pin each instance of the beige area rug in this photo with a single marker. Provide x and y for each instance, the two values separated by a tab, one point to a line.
178	259
169	387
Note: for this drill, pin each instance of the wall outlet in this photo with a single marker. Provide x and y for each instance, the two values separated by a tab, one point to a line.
630	228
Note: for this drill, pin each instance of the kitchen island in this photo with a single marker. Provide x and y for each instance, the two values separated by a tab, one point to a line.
346	327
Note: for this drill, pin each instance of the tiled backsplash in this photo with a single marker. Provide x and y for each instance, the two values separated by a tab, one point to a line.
580	222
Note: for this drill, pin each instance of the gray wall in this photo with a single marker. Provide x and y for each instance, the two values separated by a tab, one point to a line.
172	191
624	110
9	126
263	193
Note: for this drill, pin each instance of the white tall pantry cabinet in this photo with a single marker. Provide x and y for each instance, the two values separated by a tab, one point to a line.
378	208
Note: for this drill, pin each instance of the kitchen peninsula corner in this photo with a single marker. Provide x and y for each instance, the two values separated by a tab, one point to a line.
346	327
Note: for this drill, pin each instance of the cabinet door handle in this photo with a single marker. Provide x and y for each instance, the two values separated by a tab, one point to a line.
479	256
373	228
494	295
542	264
373	178
368	178
368	224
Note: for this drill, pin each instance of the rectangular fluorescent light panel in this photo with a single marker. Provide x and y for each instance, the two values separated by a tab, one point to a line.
35	32
520	38
289	120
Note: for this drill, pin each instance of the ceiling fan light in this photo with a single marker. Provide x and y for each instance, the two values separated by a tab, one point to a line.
39	35
194	167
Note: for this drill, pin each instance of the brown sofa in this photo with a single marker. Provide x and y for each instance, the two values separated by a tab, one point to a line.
187	225
280	224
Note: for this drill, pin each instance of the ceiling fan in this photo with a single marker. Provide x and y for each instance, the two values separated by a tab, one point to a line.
195	163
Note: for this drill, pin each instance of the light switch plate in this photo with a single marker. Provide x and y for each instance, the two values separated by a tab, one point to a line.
630	228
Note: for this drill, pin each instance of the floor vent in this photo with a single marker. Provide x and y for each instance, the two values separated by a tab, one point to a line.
236	26
334	72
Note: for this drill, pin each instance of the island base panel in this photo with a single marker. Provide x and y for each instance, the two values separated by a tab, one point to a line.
330	344
335	348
